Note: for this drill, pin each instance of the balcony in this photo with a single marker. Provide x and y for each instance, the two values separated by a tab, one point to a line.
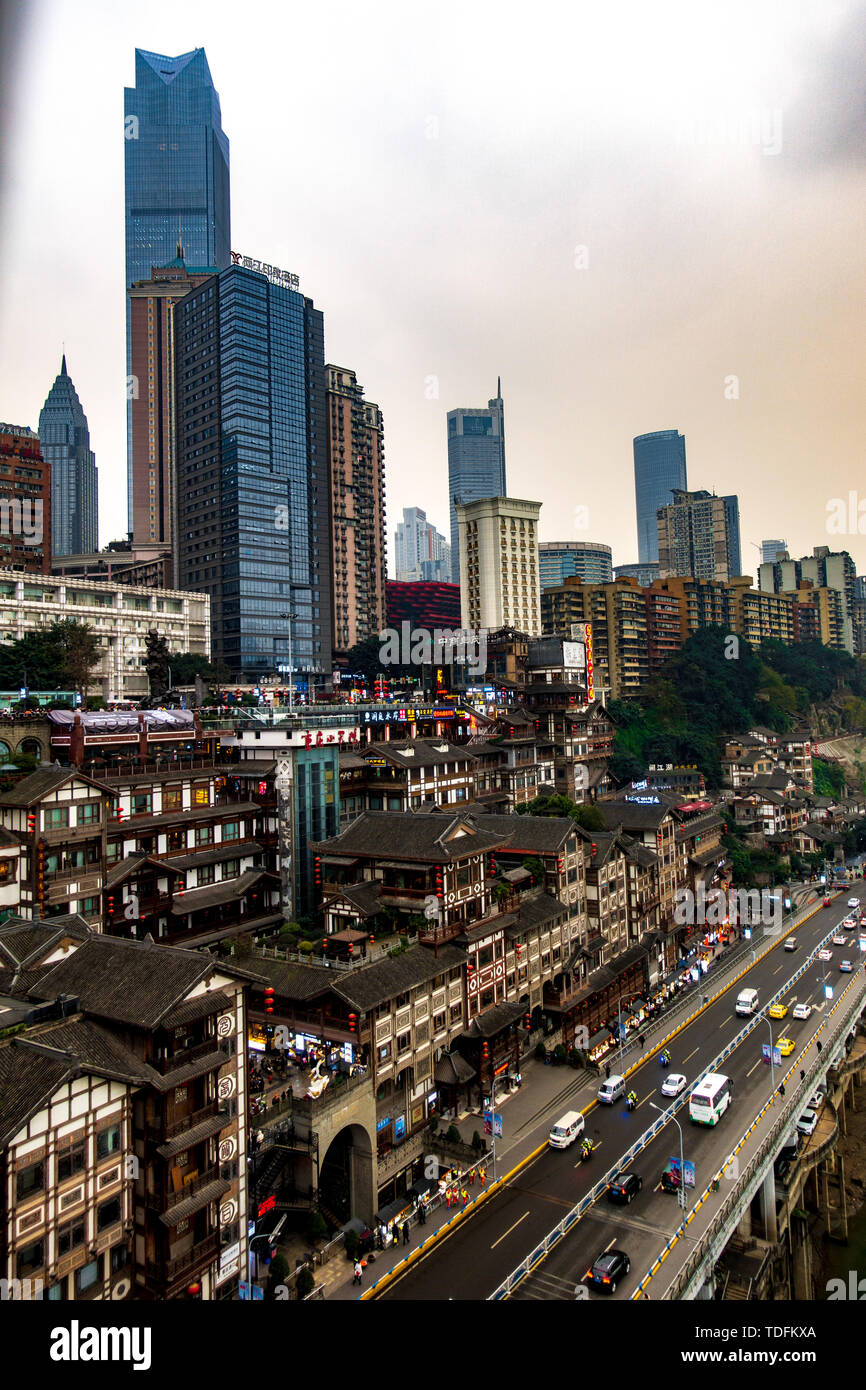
164	1201
195	1261
177	1060
160	1134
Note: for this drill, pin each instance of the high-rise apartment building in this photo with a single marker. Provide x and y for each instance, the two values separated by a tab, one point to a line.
356	460
65	440
645	574
25	502
770	550
702	602
822	569
699	535
421	553
476	462
589	560
254	493
499	582
152	395
176	170
618	614
659	467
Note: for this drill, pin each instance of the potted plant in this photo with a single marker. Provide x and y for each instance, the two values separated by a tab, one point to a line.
540	1052
305	1282
559	1054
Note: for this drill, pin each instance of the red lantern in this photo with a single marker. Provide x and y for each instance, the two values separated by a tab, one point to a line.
269	999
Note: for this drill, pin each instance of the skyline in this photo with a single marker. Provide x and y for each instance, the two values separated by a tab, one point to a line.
699	251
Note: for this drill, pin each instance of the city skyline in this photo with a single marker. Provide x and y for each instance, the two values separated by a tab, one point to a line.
761	375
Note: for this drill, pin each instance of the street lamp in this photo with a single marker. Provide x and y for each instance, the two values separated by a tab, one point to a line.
290	616
632	994
681	1195
493	1081
766	1019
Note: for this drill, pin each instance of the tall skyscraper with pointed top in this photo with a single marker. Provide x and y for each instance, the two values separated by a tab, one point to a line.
65	440
177	183
476	462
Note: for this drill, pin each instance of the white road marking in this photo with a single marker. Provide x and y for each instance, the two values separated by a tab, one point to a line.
759	1063
691	1054
510	1229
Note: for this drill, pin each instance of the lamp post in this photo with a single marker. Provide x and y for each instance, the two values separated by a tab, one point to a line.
681	1195
766	1019
290	617
632	994
493	1080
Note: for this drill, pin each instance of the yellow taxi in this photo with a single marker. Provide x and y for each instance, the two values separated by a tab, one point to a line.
786	1046
778	1010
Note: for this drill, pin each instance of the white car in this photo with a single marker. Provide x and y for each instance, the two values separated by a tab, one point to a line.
825	954
849	923
854	902
802	1010
674	1084
807	1123
839	939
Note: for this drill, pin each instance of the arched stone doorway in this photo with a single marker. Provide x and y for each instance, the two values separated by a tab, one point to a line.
5	750
32	746
346	1178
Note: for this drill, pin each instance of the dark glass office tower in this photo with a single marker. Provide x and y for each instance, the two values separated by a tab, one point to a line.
659	466
476	462
252	511
65	440
177	176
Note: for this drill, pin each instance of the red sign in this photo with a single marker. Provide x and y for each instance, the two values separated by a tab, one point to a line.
267	1205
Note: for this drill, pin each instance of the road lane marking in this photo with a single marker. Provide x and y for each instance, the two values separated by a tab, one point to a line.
510	1229
691	1054
757	1064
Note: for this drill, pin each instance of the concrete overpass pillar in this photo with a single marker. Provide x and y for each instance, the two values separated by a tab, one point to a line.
767	1196
745	1227
801	1261
842	1112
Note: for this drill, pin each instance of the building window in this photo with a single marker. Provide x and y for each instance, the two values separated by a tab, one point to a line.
172	798
89	813
119	1258
56	817
231	868
30	1179
30	1258
205	875
176	839
231	830
108	1213
201	794
142	803
87	1276
70	1235
204	834
108	1142
71	1161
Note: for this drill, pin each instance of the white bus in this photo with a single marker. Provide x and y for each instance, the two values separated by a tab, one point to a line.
709	1101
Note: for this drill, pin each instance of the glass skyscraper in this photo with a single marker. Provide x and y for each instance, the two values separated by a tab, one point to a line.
65	440
252	510
476	462
590	561
176	174
659	466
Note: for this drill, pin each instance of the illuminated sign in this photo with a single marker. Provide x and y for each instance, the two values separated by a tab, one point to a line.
267	1205
271	272
407	715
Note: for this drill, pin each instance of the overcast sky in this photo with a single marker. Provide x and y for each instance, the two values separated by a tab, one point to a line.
641	217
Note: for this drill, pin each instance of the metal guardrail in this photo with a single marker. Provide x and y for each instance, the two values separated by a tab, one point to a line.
553	1237
714	1240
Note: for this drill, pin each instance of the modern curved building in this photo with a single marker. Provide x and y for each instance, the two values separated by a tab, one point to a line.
590	561
659	467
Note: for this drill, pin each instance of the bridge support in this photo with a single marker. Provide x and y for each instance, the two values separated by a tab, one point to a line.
801	1259
767	1198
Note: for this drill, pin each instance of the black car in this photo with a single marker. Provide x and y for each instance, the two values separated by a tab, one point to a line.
624	1187
782	1168
607	1270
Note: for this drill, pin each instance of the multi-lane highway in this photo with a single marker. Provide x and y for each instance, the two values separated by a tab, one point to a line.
482	1251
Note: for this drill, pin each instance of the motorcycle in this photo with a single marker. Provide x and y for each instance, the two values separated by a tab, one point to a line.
630	1103
586	1150
665	1059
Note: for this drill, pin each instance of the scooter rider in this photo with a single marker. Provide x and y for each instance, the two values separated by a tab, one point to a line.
665	1058
586	1147
631	1100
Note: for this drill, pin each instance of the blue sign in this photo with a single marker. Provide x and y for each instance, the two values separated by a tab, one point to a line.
777	1056
399	1127
493	1124
689	1169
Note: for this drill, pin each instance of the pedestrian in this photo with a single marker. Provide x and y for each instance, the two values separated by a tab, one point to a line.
483	1176
358	1273
422	1215
642	1041
607	1071
465	1196
406	1236
472	1177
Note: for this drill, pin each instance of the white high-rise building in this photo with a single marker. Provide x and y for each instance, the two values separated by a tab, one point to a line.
499	569
420	551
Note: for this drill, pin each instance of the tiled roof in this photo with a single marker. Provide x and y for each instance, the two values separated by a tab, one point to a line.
374	984
365	898
531	834
45	780
24	942
493	1020
411	836
134	982
27	1079
215	893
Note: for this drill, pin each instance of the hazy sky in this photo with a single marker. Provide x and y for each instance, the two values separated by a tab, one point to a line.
614	208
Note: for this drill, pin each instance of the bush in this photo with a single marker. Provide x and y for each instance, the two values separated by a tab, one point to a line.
316	1227
575	1057
434	1123
559	1054
453	1135
306	1282
278	1269
477	1142
306	947
540	1052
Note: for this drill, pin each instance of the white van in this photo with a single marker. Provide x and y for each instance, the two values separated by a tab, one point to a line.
612	1089
747	1002
566	1130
